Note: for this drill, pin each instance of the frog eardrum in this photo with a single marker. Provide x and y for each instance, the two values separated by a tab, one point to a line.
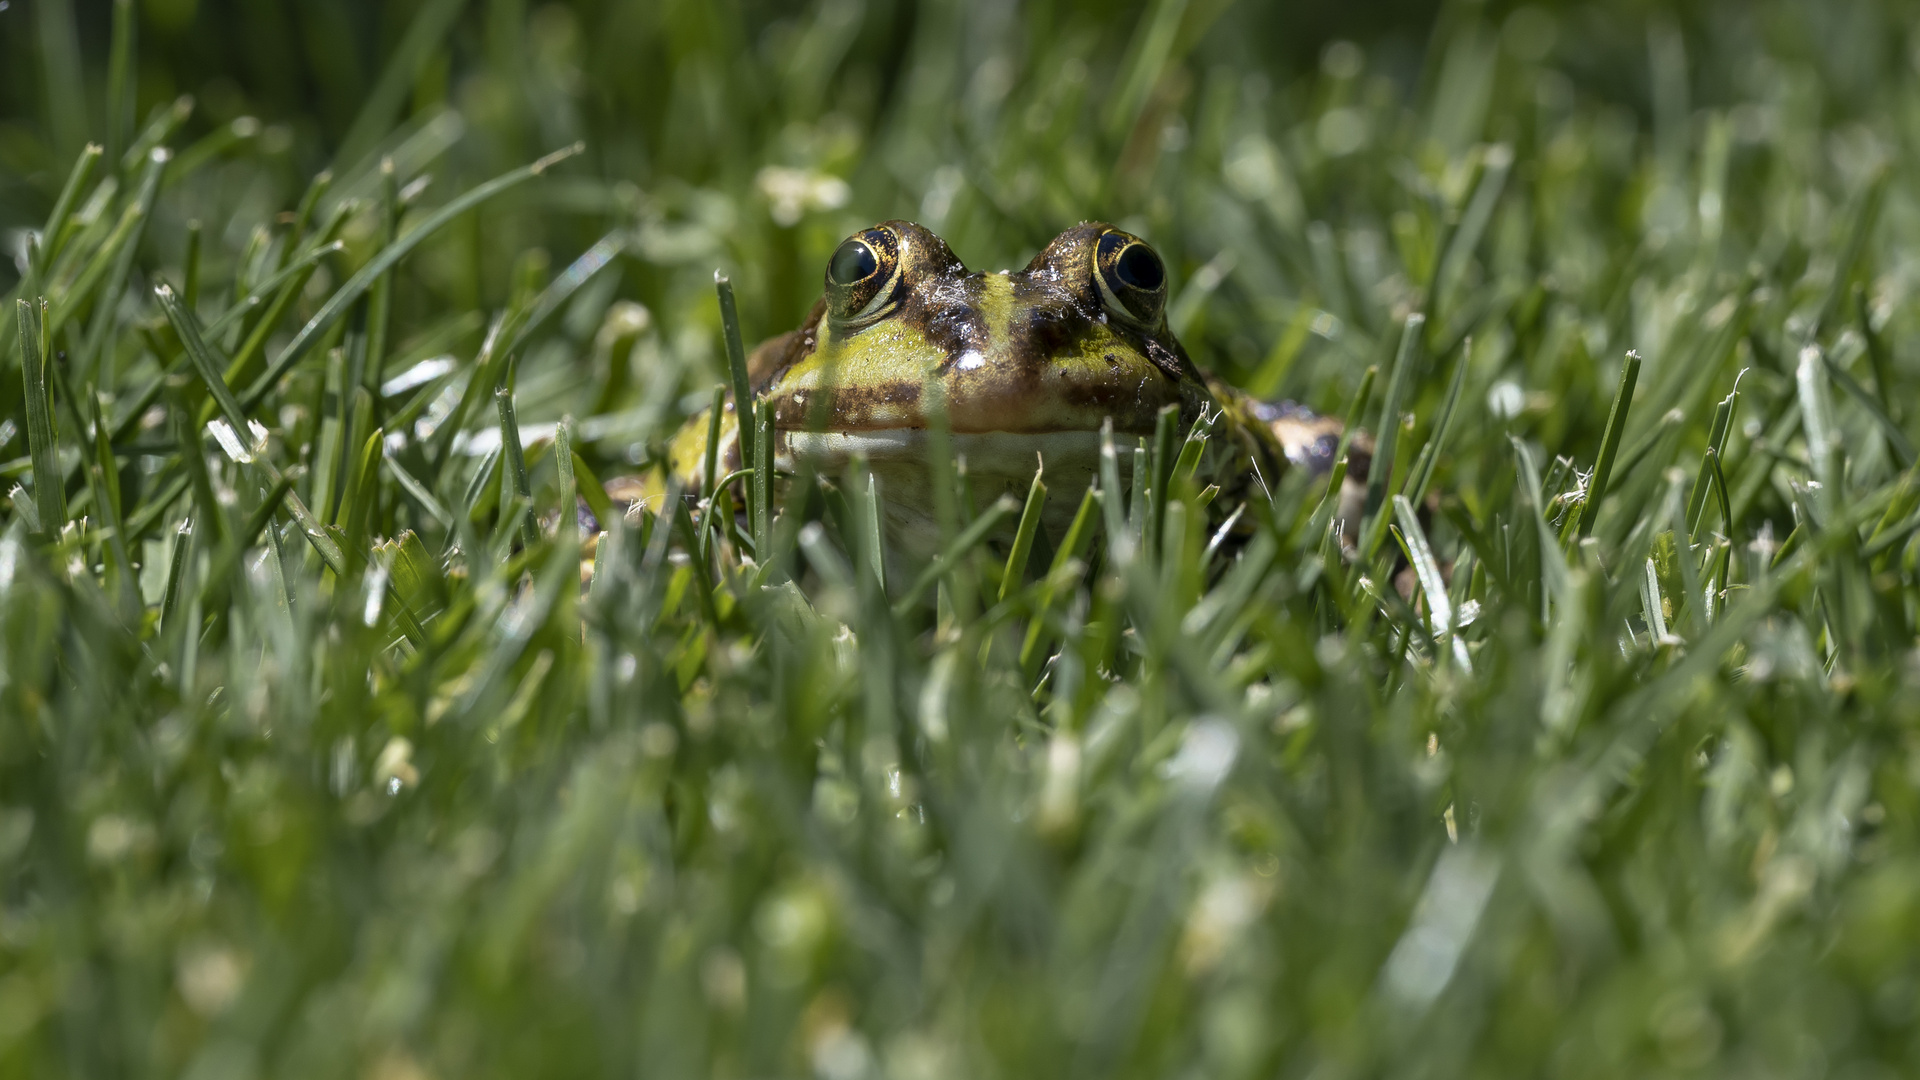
863	278
1131	278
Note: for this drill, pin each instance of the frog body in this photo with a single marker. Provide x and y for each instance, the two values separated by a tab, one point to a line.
1026	366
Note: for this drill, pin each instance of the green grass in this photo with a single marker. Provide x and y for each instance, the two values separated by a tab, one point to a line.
350	778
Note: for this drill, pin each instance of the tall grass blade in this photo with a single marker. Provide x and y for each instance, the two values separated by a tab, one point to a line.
1016	569
1609	443
361	281
49	483
737	371
1387	434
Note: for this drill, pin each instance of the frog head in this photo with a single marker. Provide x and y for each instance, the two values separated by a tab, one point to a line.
1021	363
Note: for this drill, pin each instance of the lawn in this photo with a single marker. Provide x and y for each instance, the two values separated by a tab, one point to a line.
1598	756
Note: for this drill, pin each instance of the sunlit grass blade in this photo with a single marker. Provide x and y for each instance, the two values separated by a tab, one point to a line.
206	365
284	282
179	568
1865	213
103	477
1016	568
1553	574
203	357
53	235
418	491
1387	434
515	460
1823	433
219	141
220	579
1420	476
1113	496
285	285
106	310
1716	445
165	122
1609	443
49	484
568	282
98	264
153	507
1162	461
563	457
1877	355
1433	585
380	299
488	367
357	501
710	465
1073	546
737	367
763	480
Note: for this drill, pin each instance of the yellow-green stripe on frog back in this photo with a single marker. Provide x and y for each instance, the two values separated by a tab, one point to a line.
1023	363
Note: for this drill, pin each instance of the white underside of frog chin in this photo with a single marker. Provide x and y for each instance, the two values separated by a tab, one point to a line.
997	452
996	462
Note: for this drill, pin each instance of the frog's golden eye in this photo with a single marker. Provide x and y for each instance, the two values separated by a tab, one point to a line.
863	277
1131	278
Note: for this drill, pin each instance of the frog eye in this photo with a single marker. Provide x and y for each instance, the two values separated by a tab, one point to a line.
863	277
1131	277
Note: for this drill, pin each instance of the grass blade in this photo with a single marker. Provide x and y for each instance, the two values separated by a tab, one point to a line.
161	128
516	461
1897	440
1162	463
95	357
1716	444
202	356
104	479
1016	569
357	285
1610	443
1387	435
716	411
1554	574
949	558
1823	434
737	372
1433	584
178	569
383	102
563	460
1421	475
120	78
49	484
290	280
418	491
53	235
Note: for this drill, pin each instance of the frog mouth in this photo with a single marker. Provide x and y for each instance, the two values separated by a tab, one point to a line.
1007	455
997	463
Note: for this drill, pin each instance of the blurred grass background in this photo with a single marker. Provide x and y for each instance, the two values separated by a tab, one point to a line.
1258	818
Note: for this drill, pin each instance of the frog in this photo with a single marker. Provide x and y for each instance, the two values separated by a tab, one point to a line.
1025	370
